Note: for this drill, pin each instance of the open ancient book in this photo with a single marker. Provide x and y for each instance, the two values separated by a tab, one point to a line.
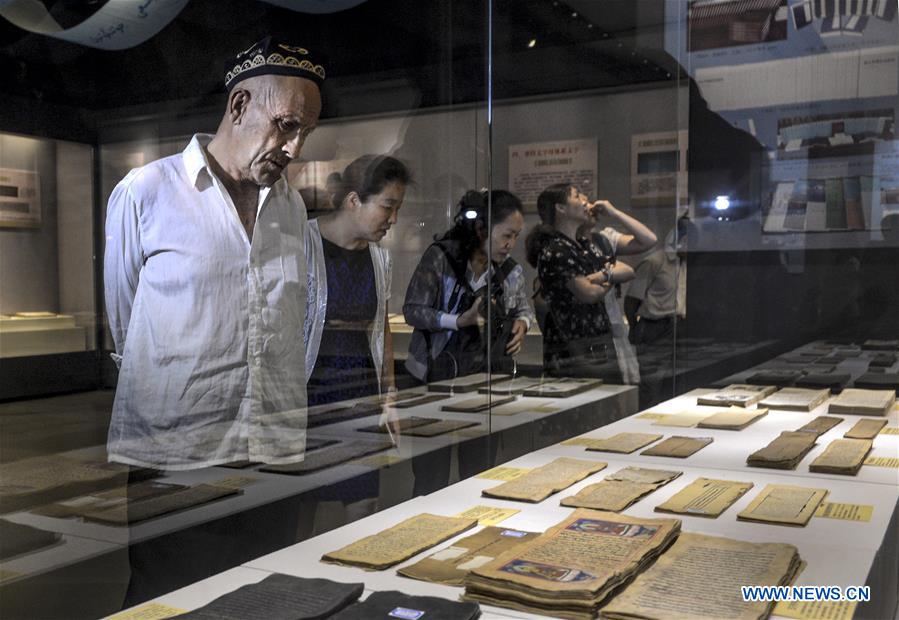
700	577
570	570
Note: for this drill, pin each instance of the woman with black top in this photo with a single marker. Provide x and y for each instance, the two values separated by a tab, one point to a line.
575	275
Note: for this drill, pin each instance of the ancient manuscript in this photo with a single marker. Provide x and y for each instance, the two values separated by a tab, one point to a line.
399	542
784	452
732	419
621	489
678	447
795	399
570	570
541	482
865	429
623	443
784	504
705	497
842	456
700	577
863	402
450	565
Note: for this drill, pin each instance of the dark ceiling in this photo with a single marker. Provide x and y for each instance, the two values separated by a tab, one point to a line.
438	47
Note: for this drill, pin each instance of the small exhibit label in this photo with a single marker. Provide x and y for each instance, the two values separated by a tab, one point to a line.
406	614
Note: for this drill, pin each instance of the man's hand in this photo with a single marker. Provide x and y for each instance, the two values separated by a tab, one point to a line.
519	329
390	417
471	316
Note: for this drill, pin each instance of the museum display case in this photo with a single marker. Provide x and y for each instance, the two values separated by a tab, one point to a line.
548	308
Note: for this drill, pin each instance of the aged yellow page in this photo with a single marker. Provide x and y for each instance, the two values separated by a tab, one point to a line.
700	577
705	497
399	542
541	482
784	504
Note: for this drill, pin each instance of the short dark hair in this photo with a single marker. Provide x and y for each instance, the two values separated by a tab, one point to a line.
369	175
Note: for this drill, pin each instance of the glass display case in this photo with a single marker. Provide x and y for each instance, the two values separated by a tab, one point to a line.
284	280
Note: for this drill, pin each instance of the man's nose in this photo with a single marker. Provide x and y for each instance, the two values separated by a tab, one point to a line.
294	147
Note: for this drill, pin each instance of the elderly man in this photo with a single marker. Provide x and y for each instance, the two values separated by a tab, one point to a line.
206	283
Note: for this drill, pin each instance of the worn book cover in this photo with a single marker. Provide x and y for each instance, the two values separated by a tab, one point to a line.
400	542
784	452
842	456
865	429
784	505
705	497
863	402
795	399
820	425
736	395
733	419
678	447
570	570
541	482
621	489
623	443
450	565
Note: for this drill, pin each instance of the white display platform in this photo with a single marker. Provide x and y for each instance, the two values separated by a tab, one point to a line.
838	552
20	336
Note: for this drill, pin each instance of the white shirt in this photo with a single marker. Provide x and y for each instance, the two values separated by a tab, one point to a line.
207	326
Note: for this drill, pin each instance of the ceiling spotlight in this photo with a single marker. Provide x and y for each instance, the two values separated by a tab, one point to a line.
722	203
532	42
574	14
471	214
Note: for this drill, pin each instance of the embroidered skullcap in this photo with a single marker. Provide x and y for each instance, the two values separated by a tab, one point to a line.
273	57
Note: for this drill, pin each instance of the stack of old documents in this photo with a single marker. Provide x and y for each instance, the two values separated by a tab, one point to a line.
863	402
700	577
399	542
737	395
540	483
842	456
795	399
619	490
569	571
784	452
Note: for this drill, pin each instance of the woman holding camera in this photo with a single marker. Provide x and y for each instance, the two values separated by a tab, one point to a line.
459	275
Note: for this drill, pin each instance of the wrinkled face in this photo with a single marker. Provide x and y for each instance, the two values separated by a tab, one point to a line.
378	213
280	113
504	236
576	207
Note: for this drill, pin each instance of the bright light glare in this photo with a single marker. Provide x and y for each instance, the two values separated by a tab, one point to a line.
471	214
722	203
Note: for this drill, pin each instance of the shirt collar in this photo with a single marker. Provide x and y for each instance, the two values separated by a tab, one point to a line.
196	162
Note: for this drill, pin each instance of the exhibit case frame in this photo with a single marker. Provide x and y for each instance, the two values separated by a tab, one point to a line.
681	216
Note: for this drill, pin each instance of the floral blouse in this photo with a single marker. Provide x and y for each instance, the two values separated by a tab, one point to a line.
561	260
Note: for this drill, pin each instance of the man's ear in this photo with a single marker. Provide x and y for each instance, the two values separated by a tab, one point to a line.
238	101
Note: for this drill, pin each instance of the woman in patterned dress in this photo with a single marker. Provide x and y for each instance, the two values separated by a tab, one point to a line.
575	275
